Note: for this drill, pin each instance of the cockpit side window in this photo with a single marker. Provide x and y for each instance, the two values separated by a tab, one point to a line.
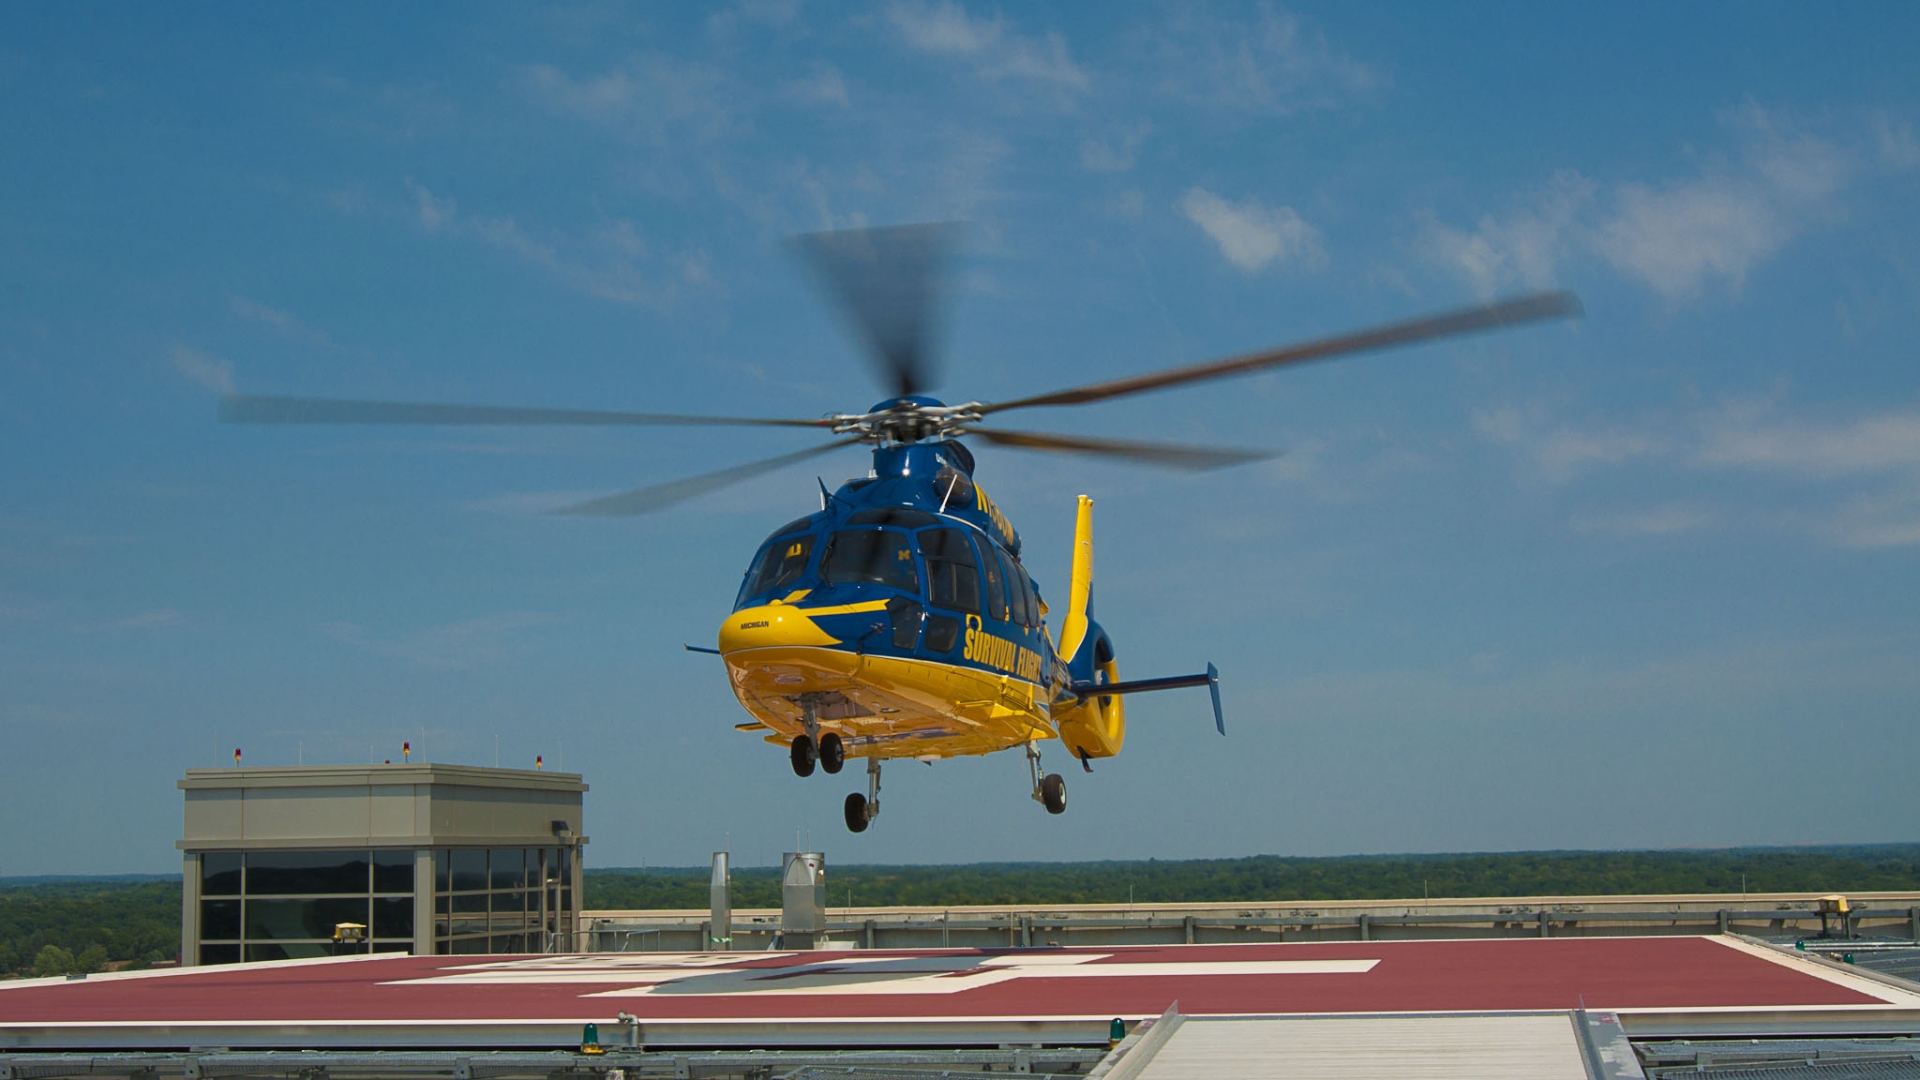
953	575
876	556
782	563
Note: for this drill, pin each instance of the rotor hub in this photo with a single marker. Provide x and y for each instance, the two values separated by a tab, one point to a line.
911	419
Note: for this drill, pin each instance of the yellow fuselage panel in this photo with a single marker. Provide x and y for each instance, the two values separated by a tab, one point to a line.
885	706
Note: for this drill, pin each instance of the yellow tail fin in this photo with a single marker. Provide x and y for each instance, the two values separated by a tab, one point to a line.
1073	631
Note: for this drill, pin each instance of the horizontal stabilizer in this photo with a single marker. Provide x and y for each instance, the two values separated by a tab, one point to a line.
1210	680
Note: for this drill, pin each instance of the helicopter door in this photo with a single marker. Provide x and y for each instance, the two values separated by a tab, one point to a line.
953	588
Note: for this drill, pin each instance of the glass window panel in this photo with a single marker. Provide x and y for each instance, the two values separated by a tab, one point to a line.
276	920
870	556
393	917
394	946
512	921
393	871
306	873
1020	600
441	948
943	633
552	864
441	928
509	901
465	946
510	943
219	954
440	883
469	869
1033	597
220	873
780	565
470	902
441	904
953	581
471	925
301	950
994	575
220	919
509	866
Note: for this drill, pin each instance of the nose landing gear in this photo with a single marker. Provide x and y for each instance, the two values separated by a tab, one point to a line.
862	809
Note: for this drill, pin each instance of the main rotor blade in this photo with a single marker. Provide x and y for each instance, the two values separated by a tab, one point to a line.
886	279
1533	307
1172	455
648	499
252	409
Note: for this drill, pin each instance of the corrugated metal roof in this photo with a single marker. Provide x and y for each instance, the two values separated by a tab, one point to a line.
1517	1046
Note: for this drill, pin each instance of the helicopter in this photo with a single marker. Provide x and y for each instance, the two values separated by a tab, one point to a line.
898	621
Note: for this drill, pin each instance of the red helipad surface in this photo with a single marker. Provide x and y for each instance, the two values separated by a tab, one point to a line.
675	990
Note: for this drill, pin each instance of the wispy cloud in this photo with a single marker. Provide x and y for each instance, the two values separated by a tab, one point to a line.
655	97
613	261
155	619
1675	236
1270	63
1861	473
1524	246
1117	155
826	86
1560	452
1251	235
455	645
995	50
1894	141
1669	519
203	368
274	318
1749	436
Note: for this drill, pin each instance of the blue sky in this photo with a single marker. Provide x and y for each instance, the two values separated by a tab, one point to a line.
1643	580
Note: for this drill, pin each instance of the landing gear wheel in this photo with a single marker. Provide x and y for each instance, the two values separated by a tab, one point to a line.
1053	793
802	755
857	813
833	752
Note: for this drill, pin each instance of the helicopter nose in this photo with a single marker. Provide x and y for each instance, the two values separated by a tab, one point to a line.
770	626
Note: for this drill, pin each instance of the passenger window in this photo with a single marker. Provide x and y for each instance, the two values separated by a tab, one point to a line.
871	556
1033	599
994	575
953	577
1022	605
781	564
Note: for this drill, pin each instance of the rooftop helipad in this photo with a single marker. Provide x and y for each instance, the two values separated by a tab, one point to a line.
1664	985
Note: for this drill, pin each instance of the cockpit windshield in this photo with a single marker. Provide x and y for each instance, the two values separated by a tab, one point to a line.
875	556
782	562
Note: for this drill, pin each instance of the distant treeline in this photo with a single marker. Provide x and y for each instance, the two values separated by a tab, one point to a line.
1271	878
84	925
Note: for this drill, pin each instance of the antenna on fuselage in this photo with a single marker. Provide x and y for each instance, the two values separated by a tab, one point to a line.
826	499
